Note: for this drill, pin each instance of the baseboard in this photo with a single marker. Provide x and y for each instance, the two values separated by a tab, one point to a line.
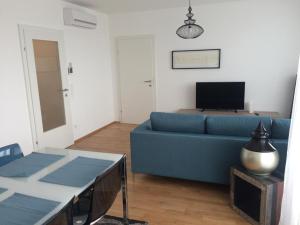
94	132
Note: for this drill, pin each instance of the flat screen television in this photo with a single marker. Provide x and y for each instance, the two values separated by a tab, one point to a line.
220	95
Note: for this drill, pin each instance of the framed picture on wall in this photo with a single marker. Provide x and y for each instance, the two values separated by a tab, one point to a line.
196	59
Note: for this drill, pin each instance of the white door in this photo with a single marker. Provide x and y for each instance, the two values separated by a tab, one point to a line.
47	86
136	68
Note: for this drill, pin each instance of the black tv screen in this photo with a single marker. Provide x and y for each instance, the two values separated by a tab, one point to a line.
220	95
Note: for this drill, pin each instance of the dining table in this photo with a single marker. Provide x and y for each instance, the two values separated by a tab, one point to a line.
48	179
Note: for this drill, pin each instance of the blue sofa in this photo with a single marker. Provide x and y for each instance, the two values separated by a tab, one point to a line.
197	147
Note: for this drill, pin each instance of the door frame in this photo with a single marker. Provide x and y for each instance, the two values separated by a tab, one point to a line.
30	104
154	80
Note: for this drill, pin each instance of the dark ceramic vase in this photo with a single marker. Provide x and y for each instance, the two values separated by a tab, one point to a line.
259	156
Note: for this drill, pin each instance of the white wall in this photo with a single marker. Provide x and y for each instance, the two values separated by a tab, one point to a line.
259	41
91	83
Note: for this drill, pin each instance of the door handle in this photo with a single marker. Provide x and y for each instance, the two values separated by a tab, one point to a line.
147	81
64	90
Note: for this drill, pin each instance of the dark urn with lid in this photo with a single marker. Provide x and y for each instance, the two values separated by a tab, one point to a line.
259	156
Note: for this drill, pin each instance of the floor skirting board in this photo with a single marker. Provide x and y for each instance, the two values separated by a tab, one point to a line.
94	132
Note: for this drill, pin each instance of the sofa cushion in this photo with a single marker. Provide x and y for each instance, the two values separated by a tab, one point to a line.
181	123
241	126
281	128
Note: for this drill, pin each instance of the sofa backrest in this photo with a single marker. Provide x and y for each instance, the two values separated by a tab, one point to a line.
241	126
181	123
280	128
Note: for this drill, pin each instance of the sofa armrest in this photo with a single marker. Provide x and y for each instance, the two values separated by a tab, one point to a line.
145	126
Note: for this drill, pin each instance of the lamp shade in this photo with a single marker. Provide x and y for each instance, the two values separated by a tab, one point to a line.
190	29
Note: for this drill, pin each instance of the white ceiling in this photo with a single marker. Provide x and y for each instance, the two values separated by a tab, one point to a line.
120	6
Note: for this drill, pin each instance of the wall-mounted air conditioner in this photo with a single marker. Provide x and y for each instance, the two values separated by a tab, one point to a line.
73	17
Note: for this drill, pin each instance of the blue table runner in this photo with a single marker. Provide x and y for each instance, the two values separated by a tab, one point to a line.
28	165
79	172
22	209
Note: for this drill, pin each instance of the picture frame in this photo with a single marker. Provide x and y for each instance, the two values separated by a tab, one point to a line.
196	59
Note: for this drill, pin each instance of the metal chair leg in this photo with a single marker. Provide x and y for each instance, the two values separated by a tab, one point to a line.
124	192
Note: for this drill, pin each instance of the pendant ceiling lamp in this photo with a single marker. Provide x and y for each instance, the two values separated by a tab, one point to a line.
190	29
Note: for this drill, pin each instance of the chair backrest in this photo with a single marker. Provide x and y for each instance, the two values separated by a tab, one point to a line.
105	191
64	217
10	153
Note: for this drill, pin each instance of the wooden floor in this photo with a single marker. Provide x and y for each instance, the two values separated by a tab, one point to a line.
163	201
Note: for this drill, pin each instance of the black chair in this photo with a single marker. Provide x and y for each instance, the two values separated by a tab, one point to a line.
102	194
64	217
10	153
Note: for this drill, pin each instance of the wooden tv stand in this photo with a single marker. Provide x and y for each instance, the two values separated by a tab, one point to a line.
230	113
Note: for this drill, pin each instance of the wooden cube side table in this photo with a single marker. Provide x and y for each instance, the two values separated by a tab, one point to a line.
257	199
